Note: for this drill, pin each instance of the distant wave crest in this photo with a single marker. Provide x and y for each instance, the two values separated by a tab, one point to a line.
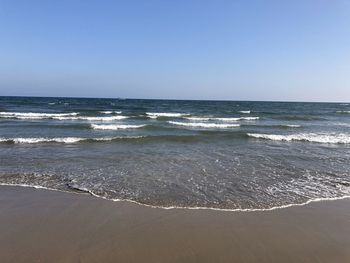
35	115
62	140
204	125
309	137
223	119
116	126
165	114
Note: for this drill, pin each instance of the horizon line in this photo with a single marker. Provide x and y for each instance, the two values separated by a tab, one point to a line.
218	100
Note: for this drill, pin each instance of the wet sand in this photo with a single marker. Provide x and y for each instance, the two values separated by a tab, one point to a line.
47	226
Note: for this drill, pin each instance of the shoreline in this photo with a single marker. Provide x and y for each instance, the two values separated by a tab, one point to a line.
88	192
39	225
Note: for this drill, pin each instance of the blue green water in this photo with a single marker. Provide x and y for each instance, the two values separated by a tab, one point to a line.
215	154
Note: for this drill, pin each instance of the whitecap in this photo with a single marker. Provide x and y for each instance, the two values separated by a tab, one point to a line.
223	119
35	115
245	111
116	126
204	125
110	112
309	137
154	115
61	139
87	118
42	139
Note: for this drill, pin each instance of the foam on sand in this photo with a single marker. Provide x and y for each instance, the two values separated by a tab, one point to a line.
308	137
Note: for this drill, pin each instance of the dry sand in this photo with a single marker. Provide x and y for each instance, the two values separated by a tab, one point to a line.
47	226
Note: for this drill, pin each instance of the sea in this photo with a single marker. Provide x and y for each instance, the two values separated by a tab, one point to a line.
228	155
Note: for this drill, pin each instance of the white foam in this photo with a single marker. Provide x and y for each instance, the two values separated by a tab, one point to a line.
309	137
62	140
110	112
35	115
245	111
87	118
292	125
343	111
204	125
223	119
165	114
42	139
315	200
116	126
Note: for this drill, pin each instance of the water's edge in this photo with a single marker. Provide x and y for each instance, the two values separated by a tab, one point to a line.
184	208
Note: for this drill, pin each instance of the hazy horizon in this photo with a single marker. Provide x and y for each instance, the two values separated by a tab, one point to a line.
184	50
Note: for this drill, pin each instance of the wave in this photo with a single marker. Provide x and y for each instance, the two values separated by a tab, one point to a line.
204	125
62	140
110	112
116	126
87	118
297	117
41	140
155	115
308	137
57	116
343	111
291	125
245	111
35	115
222	119
78	190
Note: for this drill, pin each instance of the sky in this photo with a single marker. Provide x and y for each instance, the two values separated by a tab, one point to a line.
180	49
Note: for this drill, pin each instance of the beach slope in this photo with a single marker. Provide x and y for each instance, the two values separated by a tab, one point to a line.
48	226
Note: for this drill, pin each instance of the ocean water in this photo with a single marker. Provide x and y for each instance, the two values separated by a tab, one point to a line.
194	154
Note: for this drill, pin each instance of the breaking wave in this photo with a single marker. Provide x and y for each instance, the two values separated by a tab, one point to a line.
116	126
228	119
204	125
308	137
164	114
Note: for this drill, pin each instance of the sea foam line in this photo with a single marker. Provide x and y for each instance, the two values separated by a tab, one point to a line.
165	114
62	140
110	118
309	137
116	126
57	116
110	112
315	200
223	119
204	125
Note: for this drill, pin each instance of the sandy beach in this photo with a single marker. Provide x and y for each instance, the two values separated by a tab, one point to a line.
48	226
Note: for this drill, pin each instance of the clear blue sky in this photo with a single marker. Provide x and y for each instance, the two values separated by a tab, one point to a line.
235	50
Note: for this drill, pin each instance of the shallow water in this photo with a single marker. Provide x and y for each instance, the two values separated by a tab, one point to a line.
231	155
